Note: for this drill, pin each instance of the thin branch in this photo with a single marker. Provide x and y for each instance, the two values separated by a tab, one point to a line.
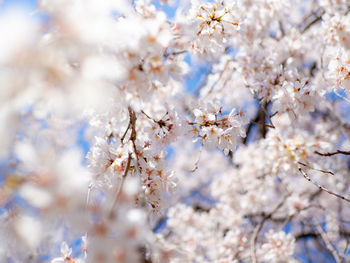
313	18
217	81
126	131
262	112
327	242
283	32
88	194
322	187
307	250
346	247
264	109
273	114
259	227
259	119
331	115
116	199
333	153
306	235
132	125
174	53
254	239
250	126
341	96
199	157
133	131
319	170
144	113
313	68
264	124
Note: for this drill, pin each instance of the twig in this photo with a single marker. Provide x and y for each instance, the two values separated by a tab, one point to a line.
174	53
259	120
317	16
121	185
144	113
133	130
322	171
250	126
322	187
327	242
126	131
264	124
199	157
307	251
259	227
346	246
280	25
313	68
218	80
267	115
273	114
341	96
253	241
306	235
88	194
333	153
132	125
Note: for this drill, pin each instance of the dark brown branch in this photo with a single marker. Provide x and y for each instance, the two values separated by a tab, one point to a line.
133	131
319	170
121	185
313	69
126	131
306	235
322	187
174	53
148	117
264	125
260	120
250	126
143	253
333	153
132	125
311	20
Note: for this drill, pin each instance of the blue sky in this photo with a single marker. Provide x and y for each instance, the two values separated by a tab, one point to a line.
27	4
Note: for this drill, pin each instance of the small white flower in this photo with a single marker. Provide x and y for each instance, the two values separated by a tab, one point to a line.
279	246
66	252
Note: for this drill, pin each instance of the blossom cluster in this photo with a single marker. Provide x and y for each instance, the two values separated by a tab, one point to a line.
216	129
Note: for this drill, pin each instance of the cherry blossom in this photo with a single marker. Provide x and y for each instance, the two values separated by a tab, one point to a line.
175	131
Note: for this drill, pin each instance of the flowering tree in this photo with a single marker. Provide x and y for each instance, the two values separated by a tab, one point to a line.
251	167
